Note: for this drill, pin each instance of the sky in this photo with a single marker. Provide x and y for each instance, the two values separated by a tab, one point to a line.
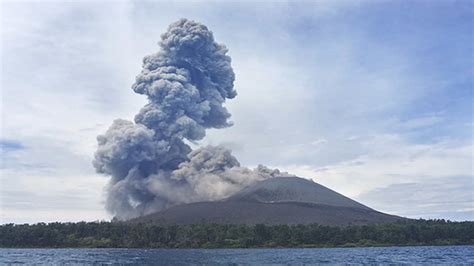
372	99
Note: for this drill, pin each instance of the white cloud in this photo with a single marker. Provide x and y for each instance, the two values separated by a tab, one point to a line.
34	195
422	122
391	160
449	196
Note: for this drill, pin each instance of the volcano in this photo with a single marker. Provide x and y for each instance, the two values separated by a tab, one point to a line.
278	200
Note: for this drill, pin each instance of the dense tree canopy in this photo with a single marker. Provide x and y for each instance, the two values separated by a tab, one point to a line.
149	235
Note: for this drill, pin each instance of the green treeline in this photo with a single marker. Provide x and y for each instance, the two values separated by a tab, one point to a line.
107	234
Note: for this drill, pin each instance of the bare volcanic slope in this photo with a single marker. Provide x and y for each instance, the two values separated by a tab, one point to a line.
279	200
294	189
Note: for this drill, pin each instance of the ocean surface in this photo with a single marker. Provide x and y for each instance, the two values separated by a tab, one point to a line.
378	255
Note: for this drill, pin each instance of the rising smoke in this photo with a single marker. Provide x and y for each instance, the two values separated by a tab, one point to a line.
151	166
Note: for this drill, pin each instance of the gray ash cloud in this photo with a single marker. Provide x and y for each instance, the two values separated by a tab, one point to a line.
151	167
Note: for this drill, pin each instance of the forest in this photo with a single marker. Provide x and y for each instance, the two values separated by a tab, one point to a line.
152	235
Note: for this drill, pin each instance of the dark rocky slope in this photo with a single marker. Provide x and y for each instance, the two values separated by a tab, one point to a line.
281	200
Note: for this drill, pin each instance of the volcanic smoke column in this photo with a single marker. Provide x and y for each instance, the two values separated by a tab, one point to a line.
150	165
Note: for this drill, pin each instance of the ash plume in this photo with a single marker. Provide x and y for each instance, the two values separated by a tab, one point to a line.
150	164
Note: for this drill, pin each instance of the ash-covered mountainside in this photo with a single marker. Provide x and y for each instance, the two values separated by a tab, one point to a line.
294	189
279	200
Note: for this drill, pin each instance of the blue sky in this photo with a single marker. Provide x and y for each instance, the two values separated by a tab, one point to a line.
372	99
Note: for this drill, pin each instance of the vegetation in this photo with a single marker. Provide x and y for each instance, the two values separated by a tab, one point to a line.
127	235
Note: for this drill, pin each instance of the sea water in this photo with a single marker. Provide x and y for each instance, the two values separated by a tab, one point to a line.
375	255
